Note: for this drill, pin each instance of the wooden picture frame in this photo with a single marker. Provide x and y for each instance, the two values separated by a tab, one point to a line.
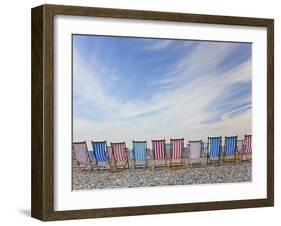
42	203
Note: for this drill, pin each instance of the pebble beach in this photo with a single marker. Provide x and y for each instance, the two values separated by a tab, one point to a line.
229	172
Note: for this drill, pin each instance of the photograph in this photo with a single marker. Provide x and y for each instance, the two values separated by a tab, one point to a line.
152	111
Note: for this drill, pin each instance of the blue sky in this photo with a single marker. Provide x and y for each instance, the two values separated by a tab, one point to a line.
134	88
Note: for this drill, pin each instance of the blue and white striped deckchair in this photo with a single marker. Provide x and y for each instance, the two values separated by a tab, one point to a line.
230	148
213	150
139	152
101	154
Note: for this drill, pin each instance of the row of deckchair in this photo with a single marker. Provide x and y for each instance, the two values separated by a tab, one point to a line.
116	156
232	150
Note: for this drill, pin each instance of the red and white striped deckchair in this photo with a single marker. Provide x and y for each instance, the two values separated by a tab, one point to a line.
247	147
120	155
81	155
177	153
159	153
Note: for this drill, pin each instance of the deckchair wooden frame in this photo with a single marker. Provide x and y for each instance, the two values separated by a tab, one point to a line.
197	163
154	165
209	160
182	163
146	161
235	156
247	154
108	165
88	155
126	163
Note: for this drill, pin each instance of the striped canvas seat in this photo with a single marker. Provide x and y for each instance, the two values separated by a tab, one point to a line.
195	149
214	150
177	152
81	154
120	155
159	153
101	154
230	148
247	147
139	152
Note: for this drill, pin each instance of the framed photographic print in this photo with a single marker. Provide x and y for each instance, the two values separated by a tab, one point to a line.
141	112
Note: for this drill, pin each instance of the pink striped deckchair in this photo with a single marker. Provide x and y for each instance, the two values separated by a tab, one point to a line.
177	153
81	155
159	153
247	147
120	155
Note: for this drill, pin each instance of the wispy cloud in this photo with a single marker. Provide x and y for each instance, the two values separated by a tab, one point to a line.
158	44
197	95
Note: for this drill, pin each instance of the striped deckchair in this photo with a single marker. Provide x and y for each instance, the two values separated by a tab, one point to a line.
213	150
247	147
177	153
81	155
159	153
120	155
139	153
230	148
101	154
195	150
